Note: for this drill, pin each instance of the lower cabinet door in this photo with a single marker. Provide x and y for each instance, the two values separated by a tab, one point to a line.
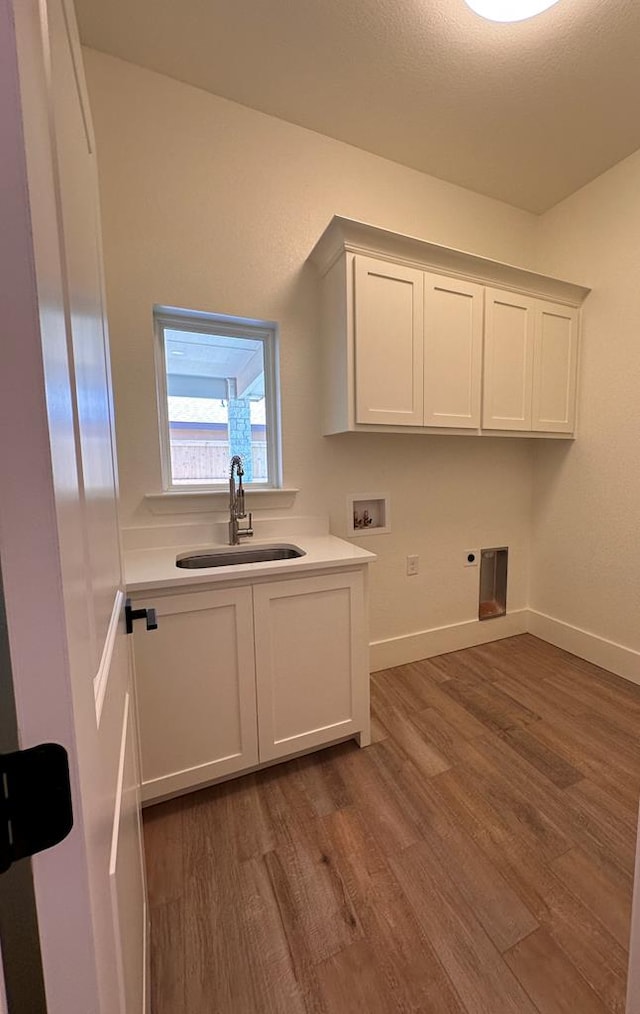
312	671
195	680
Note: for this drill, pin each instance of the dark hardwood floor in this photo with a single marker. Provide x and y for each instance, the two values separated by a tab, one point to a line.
476	859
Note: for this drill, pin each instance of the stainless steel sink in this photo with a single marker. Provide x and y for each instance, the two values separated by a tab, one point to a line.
232	556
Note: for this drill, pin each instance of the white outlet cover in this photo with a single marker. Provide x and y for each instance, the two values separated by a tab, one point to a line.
472	558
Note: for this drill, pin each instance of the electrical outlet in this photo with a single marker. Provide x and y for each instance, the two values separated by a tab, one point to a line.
413	565
472	558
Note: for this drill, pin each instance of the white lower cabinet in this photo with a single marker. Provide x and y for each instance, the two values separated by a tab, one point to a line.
311	662
238	676
195	679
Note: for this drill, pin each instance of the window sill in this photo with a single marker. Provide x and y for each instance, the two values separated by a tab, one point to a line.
208	500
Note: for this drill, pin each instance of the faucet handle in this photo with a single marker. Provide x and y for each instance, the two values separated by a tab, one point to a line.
248	531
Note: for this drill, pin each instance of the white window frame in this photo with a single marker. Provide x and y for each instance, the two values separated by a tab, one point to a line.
172	318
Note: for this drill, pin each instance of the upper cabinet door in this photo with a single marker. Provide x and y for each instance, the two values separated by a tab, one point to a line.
389	312
554	369
508	362
452	352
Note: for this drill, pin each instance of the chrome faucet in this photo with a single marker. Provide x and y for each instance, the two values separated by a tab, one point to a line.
236	504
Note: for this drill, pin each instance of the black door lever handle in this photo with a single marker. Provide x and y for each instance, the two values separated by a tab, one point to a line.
131	614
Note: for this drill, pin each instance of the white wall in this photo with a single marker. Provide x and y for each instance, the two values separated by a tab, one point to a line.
213	206
585	547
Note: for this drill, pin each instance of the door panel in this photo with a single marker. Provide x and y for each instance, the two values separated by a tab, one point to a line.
195	681
127	874
20	946
554	372
79	209
3	993
310	686
388	343
452	352
88	352
64	587
508	366
633	980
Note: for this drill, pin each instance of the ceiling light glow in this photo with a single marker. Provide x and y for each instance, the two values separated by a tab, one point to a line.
509	10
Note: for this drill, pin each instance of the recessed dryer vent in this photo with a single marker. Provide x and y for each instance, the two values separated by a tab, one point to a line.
493	583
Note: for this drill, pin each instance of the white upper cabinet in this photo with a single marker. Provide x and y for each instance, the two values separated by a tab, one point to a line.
508	361
554	369
388	343
418	347
423	337
452	352
530	360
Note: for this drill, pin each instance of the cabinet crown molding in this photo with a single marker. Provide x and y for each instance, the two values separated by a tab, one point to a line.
351	236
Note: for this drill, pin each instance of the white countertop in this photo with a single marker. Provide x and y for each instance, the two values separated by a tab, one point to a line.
155	567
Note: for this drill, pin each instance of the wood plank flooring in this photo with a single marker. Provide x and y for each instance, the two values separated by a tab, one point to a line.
476	859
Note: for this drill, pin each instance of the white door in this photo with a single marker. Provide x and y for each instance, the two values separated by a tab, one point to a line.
508	360
554	368
633	980
59	541
195	678
4	1007
311	662
453	328
388	321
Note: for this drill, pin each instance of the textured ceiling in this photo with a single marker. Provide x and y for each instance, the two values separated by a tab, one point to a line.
526	112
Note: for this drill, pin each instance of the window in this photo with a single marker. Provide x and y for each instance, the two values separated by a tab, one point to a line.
217	396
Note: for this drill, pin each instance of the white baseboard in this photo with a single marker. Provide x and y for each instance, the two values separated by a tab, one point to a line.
439	640
614	657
